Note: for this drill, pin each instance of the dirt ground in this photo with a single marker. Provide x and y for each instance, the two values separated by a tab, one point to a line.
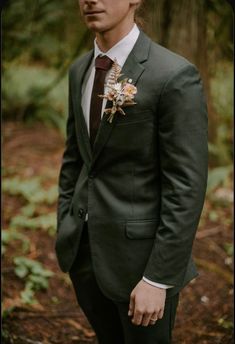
33	150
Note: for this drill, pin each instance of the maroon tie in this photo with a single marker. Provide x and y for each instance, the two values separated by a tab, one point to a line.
102	65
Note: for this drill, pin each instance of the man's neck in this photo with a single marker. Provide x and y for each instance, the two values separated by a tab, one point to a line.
106	40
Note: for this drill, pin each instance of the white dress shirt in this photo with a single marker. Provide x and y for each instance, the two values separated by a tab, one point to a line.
120	52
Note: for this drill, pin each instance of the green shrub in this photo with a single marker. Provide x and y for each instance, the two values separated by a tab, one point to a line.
25	96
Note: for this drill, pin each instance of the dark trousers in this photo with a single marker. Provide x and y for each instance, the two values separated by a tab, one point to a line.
109	318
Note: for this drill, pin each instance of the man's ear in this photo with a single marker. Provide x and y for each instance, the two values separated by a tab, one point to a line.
135	4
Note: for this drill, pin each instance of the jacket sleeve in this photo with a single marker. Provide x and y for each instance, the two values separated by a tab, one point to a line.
71	164
183	153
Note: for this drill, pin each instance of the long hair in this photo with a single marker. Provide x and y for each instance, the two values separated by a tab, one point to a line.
140	14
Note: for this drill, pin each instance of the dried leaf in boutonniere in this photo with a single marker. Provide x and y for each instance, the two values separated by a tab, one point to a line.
121	93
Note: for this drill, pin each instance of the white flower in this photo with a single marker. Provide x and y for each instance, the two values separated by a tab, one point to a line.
117	87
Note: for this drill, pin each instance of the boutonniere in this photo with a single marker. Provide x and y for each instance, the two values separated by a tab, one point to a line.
121	92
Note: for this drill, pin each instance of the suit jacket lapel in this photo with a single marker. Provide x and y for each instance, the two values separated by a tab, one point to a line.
83	136
133	68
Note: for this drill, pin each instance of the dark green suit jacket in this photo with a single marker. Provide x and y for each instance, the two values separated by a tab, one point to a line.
144	184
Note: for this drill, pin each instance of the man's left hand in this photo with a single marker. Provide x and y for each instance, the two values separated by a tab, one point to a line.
147	304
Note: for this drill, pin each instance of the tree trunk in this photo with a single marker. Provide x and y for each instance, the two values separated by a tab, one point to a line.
181	26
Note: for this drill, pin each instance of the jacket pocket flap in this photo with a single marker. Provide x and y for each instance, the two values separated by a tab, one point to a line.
142	229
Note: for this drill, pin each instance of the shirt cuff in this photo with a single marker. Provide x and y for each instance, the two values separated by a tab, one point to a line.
159	285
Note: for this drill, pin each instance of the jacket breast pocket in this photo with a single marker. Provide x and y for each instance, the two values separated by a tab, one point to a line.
141	229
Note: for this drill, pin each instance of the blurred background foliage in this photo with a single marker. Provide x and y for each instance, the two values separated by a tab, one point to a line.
41	38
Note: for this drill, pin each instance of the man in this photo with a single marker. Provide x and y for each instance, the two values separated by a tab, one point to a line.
133	178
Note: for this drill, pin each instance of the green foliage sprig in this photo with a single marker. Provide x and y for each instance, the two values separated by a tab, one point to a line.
218	177
34	193
35	276
31	189
10	235
45	222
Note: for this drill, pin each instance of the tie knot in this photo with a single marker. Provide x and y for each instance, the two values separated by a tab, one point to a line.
103	62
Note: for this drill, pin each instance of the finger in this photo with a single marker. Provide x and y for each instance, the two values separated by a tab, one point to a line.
137	318
131	306
146	319
154	318
161	313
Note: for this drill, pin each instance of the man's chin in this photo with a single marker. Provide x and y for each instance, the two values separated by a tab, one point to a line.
96	27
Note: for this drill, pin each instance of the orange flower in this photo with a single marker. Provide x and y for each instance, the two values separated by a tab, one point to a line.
129	90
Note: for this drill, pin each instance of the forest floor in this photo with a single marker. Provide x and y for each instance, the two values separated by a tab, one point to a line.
205	310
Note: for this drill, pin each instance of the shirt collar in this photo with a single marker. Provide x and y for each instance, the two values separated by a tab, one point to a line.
122	49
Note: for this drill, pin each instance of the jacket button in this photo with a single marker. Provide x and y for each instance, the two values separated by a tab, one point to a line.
81	212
